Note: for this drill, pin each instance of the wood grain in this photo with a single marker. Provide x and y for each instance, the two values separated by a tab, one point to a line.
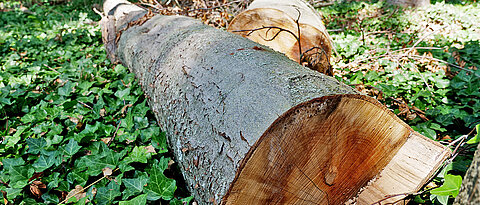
320	152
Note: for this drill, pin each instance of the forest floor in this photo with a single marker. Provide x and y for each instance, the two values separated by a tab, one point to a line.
76	127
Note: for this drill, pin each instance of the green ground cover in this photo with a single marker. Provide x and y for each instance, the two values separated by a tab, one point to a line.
423	65
70	119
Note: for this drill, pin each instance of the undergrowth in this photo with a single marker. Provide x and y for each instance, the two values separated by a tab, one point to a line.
423	65
76	127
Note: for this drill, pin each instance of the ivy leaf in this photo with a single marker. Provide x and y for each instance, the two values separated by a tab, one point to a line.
44	162
159	185
4	177
475	139
96	162
134	186
160	142
139	200
442	199
12	193
71	148
11	162
19	176
50	198
66	89
181	201
122	93
106	195
36	145
138	154
12	140
450	186
54	180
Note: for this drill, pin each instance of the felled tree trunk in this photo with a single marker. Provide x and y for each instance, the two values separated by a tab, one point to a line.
470	190
249	126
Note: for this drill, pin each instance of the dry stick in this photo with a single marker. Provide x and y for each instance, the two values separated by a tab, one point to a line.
85	105
214	7
299	36
421	76
413	47
442	61
51	68
114	134
423	38
323	4
379	202
83	189
389	54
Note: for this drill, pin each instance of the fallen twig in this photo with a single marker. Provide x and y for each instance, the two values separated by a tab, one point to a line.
83	189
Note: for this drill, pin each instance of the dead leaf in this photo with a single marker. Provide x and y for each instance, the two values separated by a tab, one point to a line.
411	116
12	130
35	187
102	112
170	163
35	190
107	171
106	140
446	138
150	149
40	184
124	108
78	193
76	120
94	191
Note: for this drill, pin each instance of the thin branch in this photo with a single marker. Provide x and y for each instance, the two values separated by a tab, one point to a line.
299	35
423	38
51	68
84	188
114	134
85	105
214	7
442	61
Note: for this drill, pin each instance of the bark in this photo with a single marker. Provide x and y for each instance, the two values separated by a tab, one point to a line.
409	3
470	190
249	126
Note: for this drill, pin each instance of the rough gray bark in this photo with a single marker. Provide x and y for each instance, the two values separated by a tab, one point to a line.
411	3
470	190
213	92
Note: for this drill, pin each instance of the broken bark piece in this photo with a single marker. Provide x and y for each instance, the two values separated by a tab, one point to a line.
276	23
249	126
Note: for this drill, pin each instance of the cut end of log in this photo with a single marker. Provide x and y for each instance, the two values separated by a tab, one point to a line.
322	152
278	24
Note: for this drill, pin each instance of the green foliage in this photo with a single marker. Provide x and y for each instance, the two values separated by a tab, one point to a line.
450	187
475	139
423	84
61	103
